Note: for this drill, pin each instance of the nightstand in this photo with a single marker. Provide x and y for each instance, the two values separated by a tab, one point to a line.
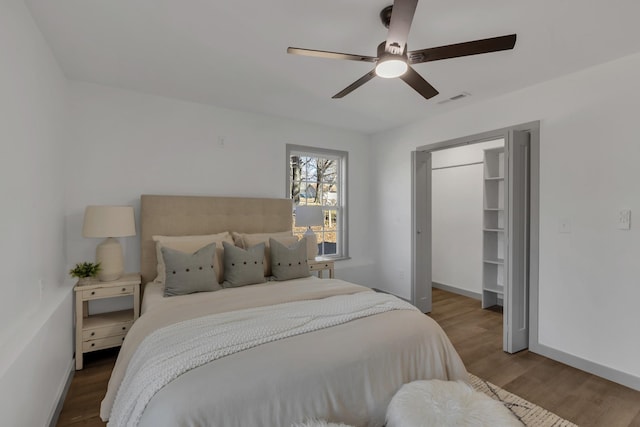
104	330
320	266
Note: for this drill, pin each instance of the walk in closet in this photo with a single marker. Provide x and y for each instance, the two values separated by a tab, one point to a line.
475	224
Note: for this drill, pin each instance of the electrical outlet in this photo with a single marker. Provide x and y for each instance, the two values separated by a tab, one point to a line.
564	226
624	219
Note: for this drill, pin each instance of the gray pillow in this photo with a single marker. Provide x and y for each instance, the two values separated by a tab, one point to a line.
243	267
189	273
289	262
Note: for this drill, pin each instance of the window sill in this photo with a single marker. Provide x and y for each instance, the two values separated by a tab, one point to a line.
330	258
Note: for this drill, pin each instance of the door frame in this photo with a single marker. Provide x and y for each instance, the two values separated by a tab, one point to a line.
422	240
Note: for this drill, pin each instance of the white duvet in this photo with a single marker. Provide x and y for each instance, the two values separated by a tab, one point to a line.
346	373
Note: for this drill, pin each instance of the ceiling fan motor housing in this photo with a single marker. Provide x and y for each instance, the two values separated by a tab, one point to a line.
381	50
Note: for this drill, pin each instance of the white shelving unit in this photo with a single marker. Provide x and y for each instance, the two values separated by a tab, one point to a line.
493	236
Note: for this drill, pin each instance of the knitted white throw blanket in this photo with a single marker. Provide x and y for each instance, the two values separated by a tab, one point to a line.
171	351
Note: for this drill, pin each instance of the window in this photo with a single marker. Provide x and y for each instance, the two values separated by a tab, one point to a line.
317	177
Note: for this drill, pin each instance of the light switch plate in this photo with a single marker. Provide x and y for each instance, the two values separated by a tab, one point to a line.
624	219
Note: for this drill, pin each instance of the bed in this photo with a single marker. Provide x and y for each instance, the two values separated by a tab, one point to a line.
345	353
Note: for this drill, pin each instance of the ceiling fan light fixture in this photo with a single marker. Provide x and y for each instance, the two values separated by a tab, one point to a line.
391	66
392	58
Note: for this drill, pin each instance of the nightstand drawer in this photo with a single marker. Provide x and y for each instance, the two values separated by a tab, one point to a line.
107	331
102	343
320	266
107	292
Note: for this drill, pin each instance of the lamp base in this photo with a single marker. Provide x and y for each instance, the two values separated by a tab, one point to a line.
312	243
109	255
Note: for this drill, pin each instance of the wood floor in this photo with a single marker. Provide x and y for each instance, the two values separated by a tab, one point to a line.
477	335
582	398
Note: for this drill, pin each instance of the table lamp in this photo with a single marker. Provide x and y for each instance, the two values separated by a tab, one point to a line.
109	222
310	216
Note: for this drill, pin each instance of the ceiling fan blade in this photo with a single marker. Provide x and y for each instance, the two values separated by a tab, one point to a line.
494	44
330	55
415	80
399	26
355	85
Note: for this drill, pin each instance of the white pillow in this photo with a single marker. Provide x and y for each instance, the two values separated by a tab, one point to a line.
240	239
191	244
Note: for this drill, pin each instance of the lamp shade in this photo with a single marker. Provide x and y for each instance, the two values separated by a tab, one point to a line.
108	221
309	216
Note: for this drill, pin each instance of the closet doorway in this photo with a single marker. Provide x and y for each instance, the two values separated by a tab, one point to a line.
484	226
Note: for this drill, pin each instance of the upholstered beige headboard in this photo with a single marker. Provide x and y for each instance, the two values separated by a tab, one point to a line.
193	215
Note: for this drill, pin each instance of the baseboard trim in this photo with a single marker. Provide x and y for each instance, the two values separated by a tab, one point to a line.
458	291
62	395
606	372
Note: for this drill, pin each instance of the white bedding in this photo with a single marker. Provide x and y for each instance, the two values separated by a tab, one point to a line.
175	349
153	294
347	373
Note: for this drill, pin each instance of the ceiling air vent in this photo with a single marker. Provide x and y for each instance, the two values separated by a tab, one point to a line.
455	98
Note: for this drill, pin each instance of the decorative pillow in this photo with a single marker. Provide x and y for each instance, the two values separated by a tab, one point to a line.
189	273
190	244
240	239
289	262
255	239
243	267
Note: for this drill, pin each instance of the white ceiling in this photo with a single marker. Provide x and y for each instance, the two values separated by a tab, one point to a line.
233	53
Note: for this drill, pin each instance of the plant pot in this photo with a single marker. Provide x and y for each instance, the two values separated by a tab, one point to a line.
85	281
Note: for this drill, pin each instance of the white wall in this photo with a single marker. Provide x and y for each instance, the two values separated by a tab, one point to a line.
457	216
589	170
35	311
124	144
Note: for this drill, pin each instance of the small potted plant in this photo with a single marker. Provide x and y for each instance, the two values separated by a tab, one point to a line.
85	271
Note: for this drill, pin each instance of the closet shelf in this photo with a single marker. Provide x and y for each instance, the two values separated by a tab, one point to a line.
494	288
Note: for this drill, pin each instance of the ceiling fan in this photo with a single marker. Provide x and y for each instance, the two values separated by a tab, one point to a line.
394	60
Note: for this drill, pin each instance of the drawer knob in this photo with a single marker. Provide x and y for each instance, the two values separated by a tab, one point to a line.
124	289
122	338
93	333
93	344
124	328
93	292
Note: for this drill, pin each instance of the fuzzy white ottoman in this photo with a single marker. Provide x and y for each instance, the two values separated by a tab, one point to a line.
437	403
